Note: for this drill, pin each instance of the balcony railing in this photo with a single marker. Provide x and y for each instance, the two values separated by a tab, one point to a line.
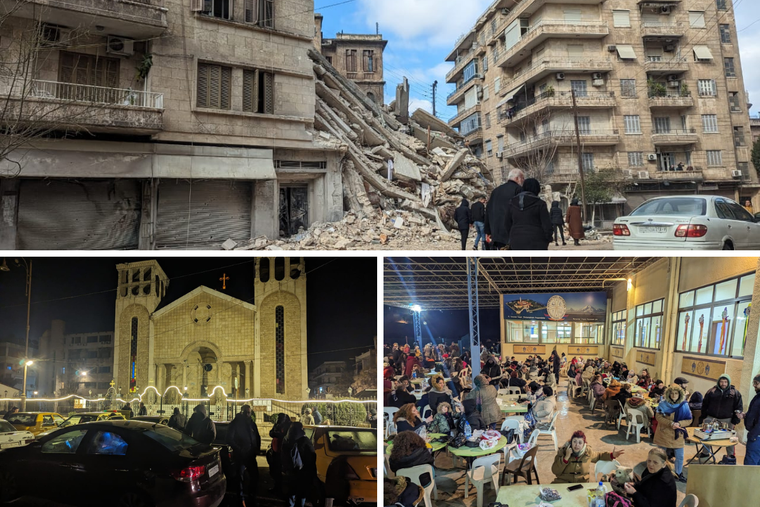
561	99
463	87
563	137
674	137
464	114
88	94
671	101
588	64
461	62
654	28
656	64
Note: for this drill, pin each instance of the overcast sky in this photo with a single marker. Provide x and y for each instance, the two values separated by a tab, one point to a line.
423	32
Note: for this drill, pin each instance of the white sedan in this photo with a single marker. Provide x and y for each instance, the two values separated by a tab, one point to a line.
688	222
11	437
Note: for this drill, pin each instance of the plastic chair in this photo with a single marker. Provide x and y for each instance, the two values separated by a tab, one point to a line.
512	424
576	389
621	415
524	467
514	390
551	431
634	416
690	501
425	414
502	392
483	469
605	467
415	473
388	413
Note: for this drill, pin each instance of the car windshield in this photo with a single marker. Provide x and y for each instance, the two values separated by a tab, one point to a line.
170	438
673	206
352	440
6	427
23	419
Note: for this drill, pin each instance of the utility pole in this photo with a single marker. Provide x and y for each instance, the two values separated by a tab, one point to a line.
580	155
435	90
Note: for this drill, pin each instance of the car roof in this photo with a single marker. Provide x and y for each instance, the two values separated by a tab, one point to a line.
93	413
37	413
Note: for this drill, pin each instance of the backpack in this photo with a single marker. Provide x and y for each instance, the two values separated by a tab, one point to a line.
295	456
613	499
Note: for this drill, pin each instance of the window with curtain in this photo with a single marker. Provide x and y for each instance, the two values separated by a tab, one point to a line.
648	325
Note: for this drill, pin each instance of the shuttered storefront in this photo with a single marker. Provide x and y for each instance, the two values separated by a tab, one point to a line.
80	215
202	214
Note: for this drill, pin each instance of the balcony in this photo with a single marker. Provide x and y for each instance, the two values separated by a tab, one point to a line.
461	62
475	136
564	137
68	106
656	66
128	18
547	29
668	30
592	100
551	66
694	174
459	117
458	95
671	102
675	137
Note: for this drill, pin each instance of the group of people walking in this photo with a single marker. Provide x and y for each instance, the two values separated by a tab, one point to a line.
516	218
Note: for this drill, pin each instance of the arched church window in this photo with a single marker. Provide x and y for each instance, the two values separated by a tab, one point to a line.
295	270
264	270
279	332
158	294
279	269
133	356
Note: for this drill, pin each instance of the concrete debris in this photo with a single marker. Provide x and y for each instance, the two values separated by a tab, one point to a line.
432	171
230	244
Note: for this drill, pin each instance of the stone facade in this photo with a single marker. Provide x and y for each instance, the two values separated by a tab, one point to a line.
657	84
357	57
225	97
207	342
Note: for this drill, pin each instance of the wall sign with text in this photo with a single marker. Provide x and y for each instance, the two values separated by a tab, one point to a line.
561	307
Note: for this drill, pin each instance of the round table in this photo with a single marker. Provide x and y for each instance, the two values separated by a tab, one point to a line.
434	446
707	445
517	408
471	453
524	494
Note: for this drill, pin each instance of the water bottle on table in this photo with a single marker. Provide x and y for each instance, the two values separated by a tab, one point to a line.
467	430
599	497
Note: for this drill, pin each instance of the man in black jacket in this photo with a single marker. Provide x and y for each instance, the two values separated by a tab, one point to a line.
244	439
177	420
528	223
752	424
496	210
478	211
200	426
723	402
463	218
558	222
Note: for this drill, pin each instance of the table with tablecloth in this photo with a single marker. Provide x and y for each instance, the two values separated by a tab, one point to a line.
527	495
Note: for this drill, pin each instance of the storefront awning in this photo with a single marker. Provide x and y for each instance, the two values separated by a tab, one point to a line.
626	52
509	97
702	53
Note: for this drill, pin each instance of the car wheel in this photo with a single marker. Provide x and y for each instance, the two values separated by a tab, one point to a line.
8	486
133	499
728	246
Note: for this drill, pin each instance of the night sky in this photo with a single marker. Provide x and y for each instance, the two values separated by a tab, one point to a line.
446	324
341	297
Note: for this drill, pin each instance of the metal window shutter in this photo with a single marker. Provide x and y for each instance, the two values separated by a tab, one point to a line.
202	214
214	81
85	215
226	87
203	85
621	18
703	53
268	106
696	19
251	91
626	52
572	16
575	51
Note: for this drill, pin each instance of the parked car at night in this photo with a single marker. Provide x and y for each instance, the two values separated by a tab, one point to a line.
155	419
35	422
85	417
11	437
687	222
130	463
346	462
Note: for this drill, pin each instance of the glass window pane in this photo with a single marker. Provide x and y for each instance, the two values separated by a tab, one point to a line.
648	309
720	329
747	285
656	334
701	330
657	306
530	331
726	290
686	300
740	329
704	295
640	310
564	332
548	332
685	330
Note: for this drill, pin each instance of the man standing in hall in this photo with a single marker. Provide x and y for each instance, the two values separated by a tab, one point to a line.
723	402
752	424
496	211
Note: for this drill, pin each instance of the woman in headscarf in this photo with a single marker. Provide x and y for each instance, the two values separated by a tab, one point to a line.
673	417
528	223
274	458
575	222
485	394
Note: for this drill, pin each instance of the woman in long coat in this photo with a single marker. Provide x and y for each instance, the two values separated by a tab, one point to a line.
575	222
673	417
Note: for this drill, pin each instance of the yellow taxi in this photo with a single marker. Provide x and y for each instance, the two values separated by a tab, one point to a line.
35	422
84	417
346	462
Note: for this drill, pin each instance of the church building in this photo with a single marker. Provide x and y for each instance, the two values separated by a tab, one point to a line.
207	340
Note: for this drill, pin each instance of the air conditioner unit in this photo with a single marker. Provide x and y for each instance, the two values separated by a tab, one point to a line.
596	75
505	11
736	174
643	175
597	82
670	48
55	36
120	46
652	157
611	49
628	174
500	155
560	76
674	84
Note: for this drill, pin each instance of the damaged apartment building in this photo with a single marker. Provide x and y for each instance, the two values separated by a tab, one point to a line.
159	124
658	87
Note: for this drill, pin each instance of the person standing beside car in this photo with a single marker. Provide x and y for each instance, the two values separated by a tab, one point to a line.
200	426
299	465
244	439
177	420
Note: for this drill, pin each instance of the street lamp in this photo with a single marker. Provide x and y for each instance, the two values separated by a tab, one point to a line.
28	269
27	364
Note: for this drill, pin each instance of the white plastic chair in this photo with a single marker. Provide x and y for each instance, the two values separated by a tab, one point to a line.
690	501
634	416
605	467
388	413
511	424
424	415
576	389
552	430
621	415
414	474
483	469
515	390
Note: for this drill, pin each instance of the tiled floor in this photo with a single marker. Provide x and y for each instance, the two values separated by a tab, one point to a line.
574	415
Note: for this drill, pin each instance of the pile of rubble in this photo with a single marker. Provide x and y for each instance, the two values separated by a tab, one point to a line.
431	170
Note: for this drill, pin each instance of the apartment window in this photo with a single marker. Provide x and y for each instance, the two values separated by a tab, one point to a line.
497	85
662	125
725	34
648	330
635	159
486	94
713	319
618	327
728	65
258	91
265	13
621	19
710	123
351	60
739	136
734	101
105	339
485	64
488	120
573	16
88	70
500	143
697	19
584	125
329	59
714	158
76	340
92	339
250	11
588	161
721	4
493	27
470	70
214	83
628	87
218	8
104	369
489	148
706	88
369	61
632	124
580	88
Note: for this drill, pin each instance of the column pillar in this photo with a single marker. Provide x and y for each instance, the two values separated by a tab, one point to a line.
752	346
254	388
670	319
